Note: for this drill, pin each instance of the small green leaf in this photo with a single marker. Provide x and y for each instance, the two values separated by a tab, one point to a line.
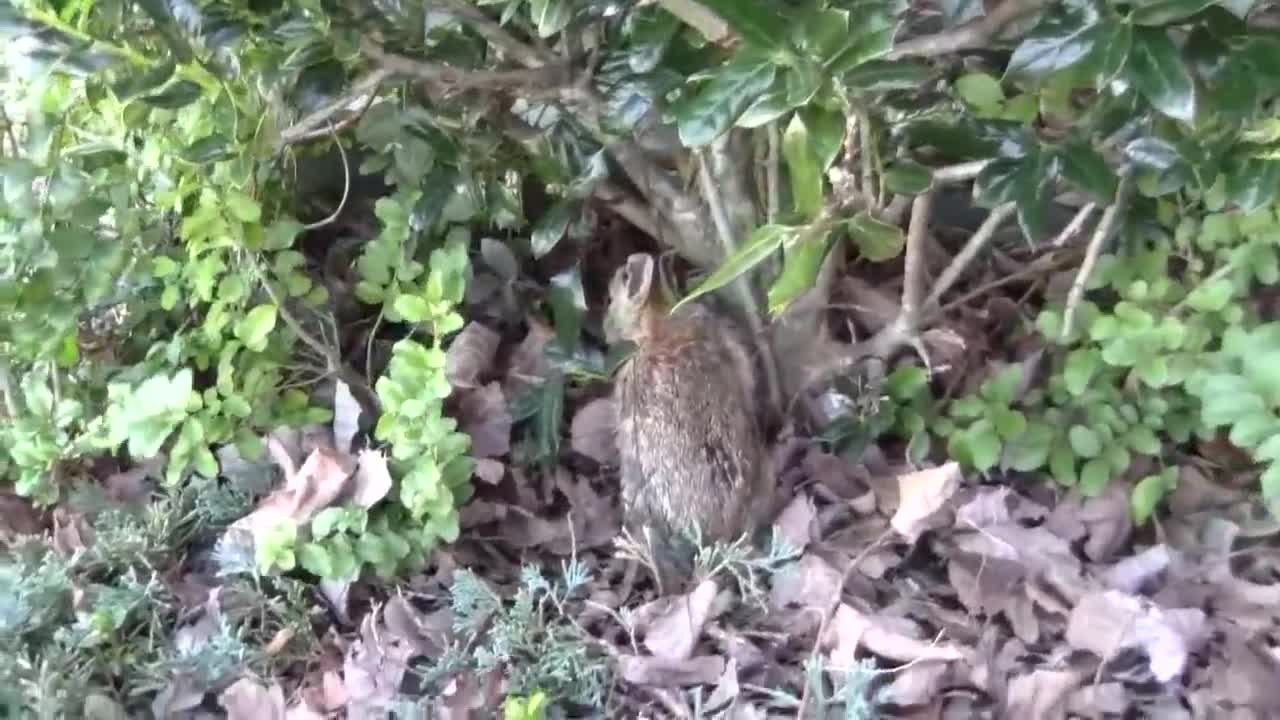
907	177
980	90
315	560
244	208
550	16
763	242
1084	167
1084	441
1146	495
877	241
984	445
1271	483
802	168
256	326
1142	440
178	94
1212	296
1064	37
800	268
702	116
884	75
551	228
1081	365
1250	430
1009	423
1030	449
757	21
1094	477
1062	464
1157	70
905	382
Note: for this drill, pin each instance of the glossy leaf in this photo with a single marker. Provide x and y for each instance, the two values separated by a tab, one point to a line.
871	36
1084	167
799	270
1153	153
907	177
757	21
765	241
882	75
550	16
551	228
702	116
826	133
1163	12
876	240
1064	37
1254	183
1158	72
802	168
176	95
1027	182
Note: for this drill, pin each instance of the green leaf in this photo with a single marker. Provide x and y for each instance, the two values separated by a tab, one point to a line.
1142	440
877	241
981	91
763	242
870	37
883	75
758	22
1146	495
1064	37
178	94
907	177
242	207
800	268
826	133
1062	464
1254	183
1081	365
568	305
702	116
1009	423
905	382
1158	72
1027	182
1212	296
315	560
1094	477
412	308
1084	167
550	16
1271	483
1153	370
551	228
1084	441
1163	12
256	326
802	168
984	445
1029	450
1250	430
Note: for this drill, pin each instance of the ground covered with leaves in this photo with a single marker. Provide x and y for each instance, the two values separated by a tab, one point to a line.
305	394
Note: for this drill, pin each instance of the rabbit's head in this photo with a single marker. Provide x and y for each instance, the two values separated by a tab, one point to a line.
630	293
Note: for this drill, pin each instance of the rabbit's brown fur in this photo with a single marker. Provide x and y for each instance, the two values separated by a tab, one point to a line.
691	452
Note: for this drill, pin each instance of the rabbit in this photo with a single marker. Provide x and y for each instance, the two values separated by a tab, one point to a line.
692	457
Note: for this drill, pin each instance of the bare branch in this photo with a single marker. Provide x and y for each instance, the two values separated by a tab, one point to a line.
545	77
1076	224
317	123
975	34
913	270
980	238
1100	235
772	171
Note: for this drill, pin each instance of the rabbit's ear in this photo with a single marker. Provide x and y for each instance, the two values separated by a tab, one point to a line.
639	276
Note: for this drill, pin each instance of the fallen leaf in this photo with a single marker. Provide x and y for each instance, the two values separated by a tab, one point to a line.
490	471
1132	573
321	480
850	629
181	695
989	506
529	364
797	523
470	355
809	583
372	670
660	672
1109	621
1099	700
726	690
916	684
592	431
1041	694
922	496
673	634
346	416
483	414
247	700
372	481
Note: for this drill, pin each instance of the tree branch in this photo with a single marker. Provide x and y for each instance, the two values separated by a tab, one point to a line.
980	238
317	123
544	77
975	34
1100	234
523	53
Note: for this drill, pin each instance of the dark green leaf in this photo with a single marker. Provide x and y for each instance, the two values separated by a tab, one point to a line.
1146	495
799	269
826	133
871	37
1253	183
1159	73
980	91
984	445
802	82
1027	182
822	32
1084	441
757	21
714	108
209	149
651	32
144	82
1084	167
906	381
1163	12
568	305
1239	8
1029	450
877	241
883	75
907	177
763	242
1153	153
551	228
550	16
1063	37
1094	477
177	95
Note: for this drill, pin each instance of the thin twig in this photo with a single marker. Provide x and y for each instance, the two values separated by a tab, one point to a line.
546	77
772	170
1100	235
346	185
367	85
913	265
525	54
980	238
868	178
975	34
1074	227
340	126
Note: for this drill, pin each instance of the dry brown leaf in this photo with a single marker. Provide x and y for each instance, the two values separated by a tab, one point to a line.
372	670
321	480
797	523
809	583
916	684
490	471
372	481
1109	621
428	634
922	496
346	417
529	363
470	355
989	506
1132	573
1099	700
1041	694
660	672
726	690
673	633
850	629
248	700
483	414
592	432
